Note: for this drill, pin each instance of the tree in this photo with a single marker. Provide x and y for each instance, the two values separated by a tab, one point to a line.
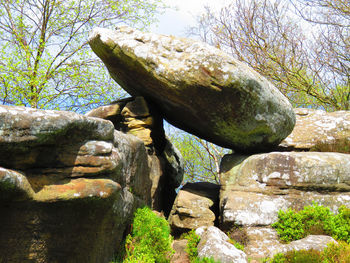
301	46
45	61
201	158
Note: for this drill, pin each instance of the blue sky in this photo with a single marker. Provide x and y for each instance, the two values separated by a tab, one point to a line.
174	22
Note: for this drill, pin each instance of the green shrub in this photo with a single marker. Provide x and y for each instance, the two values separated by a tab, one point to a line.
339	225
333	253
191	248
204	260
192	243
289	225
150	240
314	219
236	244
238	237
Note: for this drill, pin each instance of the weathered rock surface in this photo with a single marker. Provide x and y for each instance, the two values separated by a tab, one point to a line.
316	242
196	205
134	116
214	244
180	255
264	242
254	188
197	87
320	131
138	117
65	186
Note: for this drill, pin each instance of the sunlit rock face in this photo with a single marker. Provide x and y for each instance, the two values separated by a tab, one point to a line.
254	188
68	186
197	87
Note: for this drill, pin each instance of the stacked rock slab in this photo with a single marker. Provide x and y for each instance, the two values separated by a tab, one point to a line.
137	117
65	186
254	188
196	205
197	88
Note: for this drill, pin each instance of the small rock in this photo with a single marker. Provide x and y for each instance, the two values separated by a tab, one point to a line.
214	244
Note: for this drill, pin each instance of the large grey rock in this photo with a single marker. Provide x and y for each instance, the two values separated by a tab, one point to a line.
254	188
321	131
69	185
198	88
29	136
214	244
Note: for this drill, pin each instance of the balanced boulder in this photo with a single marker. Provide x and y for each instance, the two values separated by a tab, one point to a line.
198	88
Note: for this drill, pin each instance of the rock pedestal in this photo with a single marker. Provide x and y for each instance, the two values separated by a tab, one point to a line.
136	116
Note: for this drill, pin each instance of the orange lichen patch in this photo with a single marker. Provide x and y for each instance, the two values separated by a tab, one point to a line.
78	189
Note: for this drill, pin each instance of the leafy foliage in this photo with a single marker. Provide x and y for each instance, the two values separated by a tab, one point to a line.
205	260
237	244
314	219
45	60
150	240
201	158
193	241
191	249
339	225
335	253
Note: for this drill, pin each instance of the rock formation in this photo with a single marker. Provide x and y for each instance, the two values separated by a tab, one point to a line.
137	117
69	185
254	188
218	98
